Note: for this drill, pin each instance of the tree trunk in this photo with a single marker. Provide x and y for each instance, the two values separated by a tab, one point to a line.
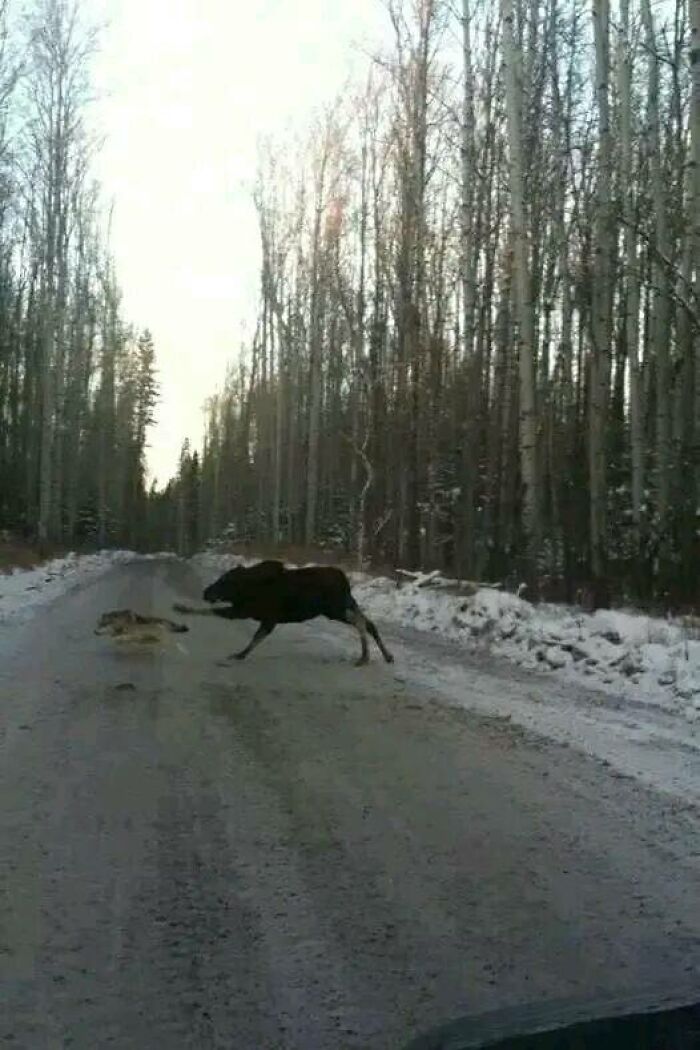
631	299
660	337
694	213
469	255
523	294
318	279
601	300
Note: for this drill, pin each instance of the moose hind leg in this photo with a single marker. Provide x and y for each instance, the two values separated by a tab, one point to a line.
355	617
262	632
375	634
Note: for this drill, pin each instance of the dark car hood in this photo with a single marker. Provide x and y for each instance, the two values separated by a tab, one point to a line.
645	1021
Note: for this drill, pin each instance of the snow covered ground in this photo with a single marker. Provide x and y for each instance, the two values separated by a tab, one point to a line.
23	590
649	660
620	686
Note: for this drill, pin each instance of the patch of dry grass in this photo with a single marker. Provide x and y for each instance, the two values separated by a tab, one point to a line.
16	554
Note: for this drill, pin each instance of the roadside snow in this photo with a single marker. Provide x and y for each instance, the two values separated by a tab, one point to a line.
23	590
645	659
642	742
648	660
619	686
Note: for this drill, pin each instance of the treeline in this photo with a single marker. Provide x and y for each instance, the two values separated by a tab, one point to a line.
77	384
478	346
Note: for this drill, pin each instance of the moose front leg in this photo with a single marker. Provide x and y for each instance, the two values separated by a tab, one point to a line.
262	632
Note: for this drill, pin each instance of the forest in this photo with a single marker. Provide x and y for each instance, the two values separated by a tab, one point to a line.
77	383
477	346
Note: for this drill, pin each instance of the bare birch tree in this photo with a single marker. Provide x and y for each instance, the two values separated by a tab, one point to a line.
523	288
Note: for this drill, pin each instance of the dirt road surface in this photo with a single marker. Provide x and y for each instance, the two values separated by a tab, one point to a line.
296	853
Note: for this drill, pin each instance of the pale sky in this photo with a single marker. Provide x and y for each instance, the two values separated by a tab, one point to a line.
185	89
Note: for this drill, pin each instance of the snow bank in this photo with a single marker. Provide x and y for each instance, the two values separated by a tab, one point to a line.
23	590
648	659
644	658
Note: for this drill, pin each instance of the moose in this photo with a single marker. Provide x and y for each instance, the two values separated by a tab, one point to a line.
272	594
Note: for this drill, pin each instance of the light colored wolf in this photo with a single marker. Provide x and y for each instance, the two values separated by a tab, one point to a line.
128	625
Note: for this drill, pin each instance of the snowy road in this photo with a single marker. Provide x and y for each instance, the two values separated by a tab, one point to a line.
294	853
